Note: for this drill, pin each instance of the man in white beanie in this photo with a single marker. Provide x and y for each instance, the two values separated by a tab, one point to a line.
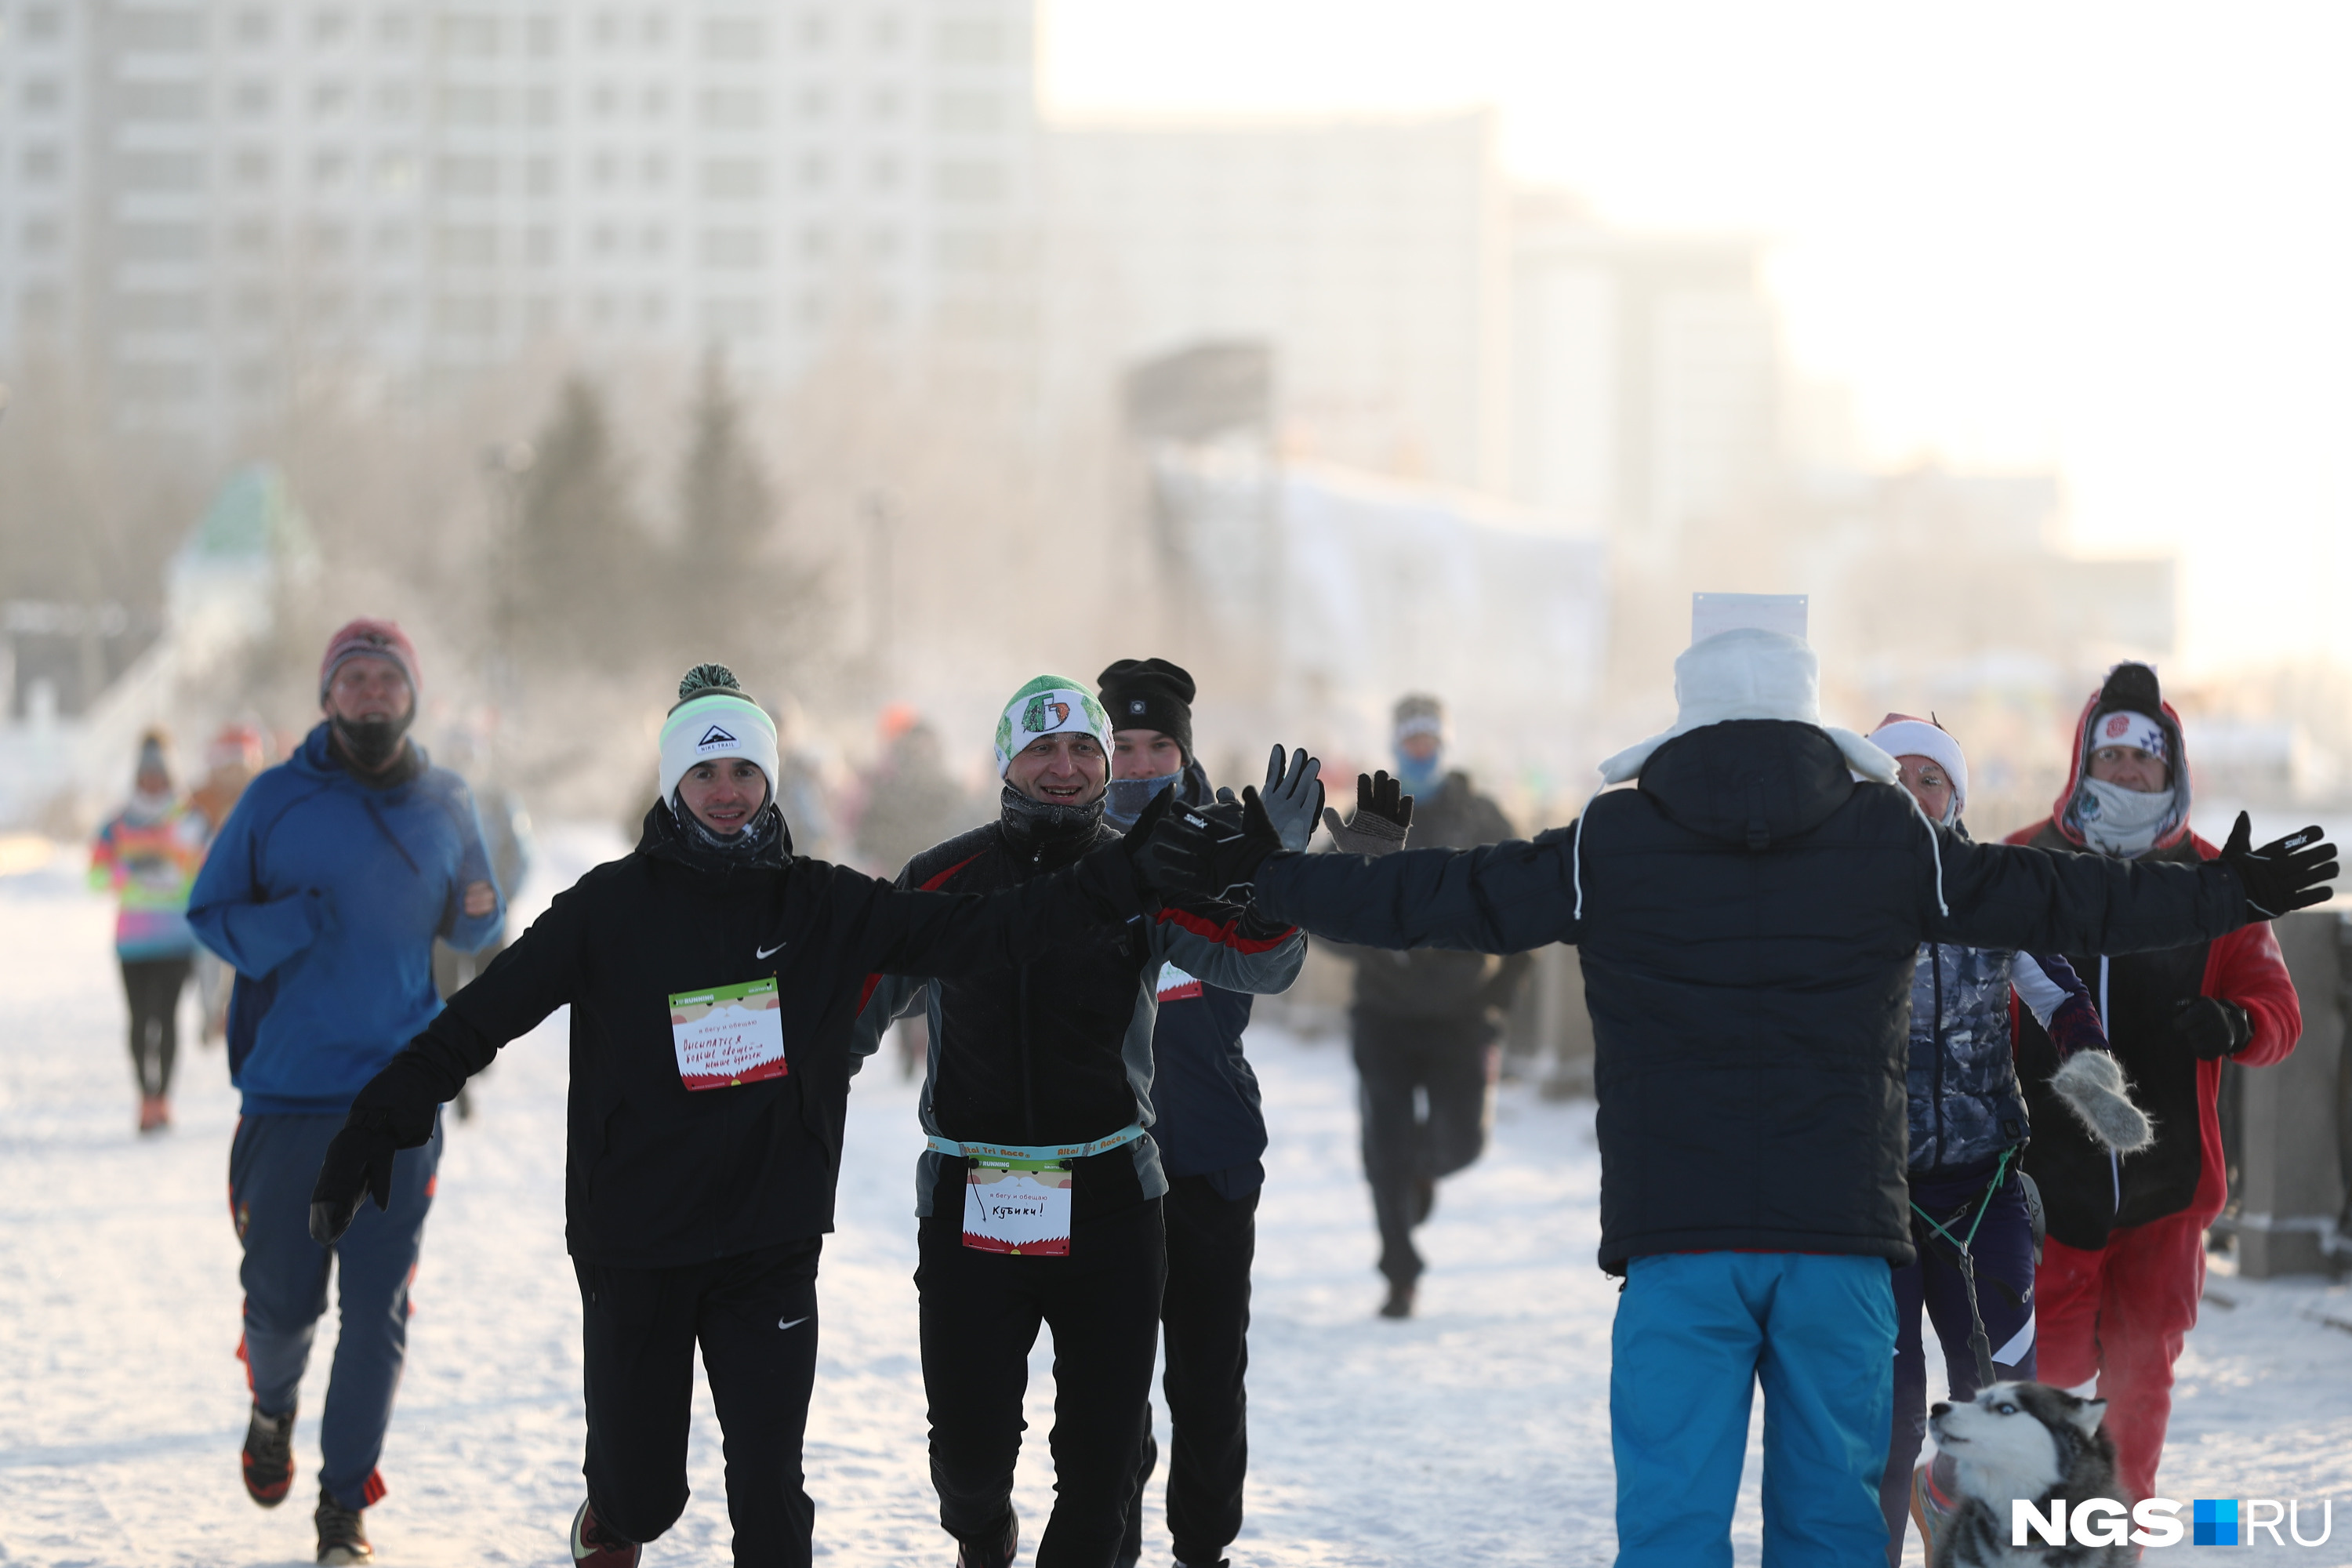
1749	916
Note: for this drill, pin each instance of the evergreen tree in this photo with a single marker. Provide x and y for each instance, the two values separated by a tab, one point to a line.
724	501
579	557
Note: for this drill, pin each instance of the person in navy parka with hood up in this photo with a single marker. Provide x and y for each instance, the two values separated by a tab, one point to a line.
324	892
1749	918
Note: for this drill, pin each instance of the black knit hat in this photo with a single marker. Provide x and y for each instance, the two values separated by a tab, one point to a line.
1150	694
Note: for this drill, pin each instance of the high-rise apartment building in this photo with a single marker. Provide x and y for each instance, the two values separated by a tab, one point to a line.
1372	256
209	205
1646	374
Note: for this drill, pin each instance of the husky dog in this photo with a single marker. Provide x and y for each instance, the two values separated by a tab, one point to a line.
2023	1440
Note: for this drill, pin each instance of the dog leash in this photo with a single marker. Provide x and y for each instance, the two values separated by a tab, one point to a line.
1978	1342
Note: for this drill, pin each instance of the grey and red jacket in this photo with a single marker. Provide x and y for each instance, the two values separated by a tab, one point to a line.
1059	1050
2088	1191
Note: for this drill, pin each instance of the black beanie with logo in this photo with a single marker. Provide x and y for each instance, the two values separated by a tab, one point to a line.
1150	694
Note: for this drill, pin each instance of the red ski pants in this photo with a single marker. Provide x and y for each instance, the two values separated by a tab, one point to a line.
2121	1313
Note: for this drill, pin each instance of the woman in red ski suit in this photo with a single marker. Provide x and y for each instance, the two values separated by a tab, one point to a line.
2120	1275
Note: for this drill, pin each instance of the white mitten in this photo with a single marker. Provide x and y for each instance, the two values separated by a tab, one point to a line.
2092	1084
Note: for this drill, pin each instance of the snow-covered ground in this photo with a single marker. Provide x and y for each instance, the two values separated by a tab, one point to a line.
1476	1434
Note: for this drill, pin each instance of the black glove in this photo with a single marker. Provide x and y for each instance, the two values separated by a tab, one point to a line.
1137	837
1209	851
1383	815
359	1165
2289	873
2211	1027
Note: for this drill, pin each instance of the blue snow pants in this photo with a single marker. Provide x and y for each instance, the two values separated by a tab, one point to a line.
1695	1334
272	1165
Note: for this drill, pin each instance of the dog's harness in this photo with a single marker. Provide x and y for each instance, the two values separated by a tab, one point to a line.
1978	1342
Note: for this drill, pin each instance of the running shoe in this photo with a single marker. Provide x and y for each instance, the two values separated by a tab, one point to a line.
342	1537
999	1556
594	1546
1400	1301
269	1457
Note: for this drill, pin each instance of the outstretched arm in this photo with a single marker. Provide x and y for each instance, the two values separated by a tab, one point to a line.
1499	898
2005	895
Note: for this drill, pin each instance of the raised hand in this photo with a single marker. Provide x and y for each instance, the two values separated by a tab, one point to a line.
2286	874
1383	814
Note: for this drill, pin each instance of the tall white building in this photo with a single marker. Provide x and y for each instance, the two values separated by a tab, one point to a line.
211	204
1646	374
1372	256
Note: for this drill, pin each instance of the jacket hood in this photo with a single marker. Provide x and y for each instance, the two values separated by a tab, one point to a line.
1749	674
1750	782
316	757
2128	687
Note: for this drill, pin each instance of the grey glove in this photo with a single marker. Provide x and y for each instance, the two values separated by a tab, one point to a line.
1292	797
1383	815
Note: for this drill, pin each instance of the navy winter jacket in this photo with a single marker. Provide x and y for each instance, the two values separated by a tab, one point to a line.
324	893
1751	920
1965	1103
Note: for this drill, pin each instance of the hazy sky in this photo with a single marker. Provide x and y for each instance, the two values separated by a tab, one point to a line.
2111	236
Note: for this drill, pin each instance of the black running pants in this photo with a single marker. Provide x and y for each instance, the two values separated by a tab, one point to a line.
1205	1321
1399	1063
755	1317
980	1311
152	987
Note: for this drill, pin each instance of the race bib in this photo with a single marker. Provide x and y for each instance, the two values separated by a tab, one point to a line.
729	1035
1020	1206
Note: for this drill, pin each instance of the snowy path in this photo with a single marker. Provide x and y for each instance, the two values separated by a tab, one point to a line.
1476	1434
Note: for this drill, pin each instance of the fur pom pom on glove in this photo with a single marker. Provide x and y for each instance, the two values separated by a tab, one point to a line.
2092	1084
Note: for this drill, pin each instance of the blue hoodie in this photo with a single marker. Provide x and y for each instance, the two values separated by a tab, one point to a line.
324	894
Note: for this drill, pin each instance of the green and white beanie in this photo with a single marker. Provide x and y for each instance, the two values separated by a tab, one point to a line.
1049	705
715	719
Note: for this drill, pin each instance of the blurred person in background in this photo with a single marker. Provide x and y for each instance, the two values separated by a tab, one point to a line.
1749	918
1210	1132
1975	1216
910	802
506	835
2120	1278
1425	1023
147	855
715	979
1042	1075
326	888
238	753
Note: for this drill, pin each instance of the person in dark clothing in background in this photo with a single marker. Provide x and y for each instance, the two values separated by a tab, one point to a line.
1037	1098
148	853
1211	1133
715	980
1748	918
1425	1023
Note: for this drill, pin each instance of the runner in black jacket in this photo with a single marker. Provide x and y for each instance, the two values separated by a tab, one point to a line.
700	1171
1051	1063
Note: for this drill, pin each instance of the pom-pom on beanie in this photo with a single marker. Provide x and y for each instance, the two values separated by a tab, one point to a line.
1049	705
713	718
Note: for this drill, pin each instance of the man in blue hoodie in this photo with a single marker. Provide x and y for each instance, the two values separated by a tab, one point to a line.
324	892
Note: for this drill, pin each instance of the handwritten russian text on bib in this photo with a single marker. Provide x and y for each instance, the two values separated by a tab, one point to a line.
729	1035
1020	1206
